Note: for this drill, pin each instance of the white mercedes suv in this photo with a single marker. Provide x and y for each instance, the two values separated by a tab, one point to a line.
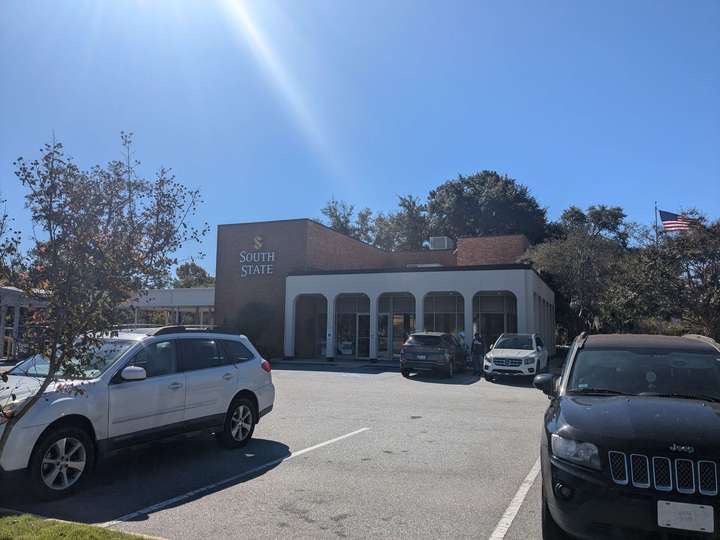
516	355
142	385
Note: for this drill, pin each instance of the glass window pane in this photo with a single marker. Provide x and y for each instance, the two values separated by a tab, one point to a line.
236	352
199	354
156	359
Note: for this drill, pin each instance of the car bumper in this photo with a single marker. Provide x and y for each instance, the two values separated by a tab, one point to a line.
19	446
599	509
510	371
424	365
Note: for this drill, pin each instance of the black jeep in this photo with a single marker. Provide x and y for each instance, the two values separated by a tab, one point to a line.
632	439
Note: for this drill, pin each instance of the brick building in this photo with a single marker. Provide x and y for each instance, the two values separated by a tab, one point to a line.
300	289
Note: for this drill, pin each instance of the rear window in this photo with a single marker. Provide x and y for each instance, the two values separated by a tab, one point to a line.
425	341
236	352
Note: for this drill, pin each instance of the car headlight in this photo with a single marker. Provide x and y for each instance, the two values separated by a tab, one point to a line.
530	360
582	453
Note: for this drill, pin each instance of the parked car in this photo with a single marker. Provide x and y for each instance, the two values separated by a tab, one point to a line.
139	386
523	355
432	352
632	439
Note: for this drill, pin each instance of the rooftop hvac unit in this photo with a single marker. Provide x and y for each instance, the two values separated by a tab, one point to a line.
441	242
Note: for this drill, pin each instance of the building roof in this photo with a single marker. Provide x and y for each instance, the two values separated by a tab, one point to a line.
649	341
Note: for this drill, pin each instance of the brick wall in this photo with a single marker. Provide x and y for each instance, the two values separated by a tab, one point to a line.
491	249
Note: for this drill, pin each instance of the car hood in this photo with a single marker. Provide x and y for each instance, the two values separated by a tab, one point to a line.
644	422
20	387
511	353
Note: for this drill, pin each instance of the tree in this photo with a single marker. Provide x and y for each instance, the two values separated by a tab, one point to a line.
191	274
485	203
339	215
104	234
585	264
688	265
10	257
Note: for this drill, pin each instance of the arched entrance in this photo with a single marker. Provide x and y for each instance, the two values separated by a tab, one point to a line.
444	312
352	326
494	313
396	321
310	326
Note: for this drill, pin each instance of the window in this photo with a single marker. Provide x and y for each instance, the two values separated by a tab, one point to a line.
199	354
236	352
157	359
515	342
646	372
539	342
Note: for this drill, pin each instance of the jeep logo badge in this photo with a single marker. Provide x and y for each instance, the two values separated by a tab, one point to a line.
680	448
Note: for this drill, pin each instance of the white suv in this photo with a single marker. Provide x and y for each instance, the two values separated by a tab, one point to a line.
516	355
141	386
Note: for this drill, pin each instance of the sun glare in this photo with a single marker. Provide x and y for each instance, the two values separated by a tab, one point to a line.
283	82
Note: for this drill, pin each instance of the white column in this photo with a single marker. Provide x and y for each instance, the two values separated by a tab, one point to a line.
419	311
16	323
3	313
330	338
289	348
373	325
468	311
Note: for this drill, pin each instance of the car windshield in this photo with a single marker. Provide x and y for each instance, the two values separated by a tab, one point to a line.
643	372
424	341
96	362
515	342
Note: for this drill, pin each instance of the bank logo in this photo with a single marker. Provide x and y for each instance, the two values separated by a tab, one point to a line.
258	242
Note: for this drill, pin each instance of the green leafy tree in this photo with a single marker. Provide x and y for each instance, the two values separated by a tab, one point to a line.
485	203
103	235
339	216
191	274
584	264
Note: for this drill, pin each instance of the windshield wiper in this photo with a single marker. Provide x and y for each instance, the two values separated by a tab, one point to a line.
599	391
701	397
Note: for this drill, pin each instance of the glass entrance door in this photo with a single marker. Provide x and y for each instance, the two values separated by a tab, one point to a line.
403	324
363	335
383	335
491	326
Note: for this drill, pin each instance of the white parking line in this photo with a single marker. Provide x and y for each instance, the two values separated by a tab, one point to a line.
506	520
217	485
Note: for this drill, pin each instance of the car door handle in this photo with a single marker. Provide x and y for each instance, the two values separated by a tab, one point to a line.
228	376
175	386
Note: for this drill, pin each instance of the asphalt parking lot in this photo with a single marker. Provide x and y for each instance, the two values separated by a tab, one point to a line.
358	453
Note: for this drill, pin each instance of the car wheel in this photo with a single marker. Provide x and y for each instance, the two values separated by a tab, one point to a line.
405	373
61	461
239	424
550	529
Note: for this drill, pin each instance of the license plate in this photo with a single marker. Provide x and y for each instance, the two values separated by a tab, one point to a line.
421	357
687	517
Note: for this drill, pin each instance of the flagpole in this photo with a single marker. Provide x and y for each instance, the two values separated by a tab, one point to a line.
656	226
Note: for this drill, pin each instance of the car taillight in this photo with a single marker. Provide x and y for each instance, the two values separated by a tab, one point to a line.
266	366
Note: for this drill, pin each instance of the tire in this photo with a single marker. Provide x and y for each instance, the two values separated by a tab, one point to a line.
61	461
550	529
405	373
239	423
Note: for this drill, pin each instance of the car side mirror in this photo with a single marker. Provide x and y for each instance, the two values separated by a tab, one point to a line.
546	383
133	373
491	346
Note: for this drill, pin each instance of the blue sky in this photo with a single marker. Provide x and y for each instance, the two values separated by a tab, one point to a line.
271	107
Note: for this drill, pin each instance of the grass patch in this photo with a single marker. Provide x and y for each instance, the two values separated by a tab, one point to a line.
27	527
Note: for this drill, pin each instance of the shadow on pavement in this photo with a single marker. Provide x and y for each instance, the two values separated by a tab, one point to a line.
459	379
135	479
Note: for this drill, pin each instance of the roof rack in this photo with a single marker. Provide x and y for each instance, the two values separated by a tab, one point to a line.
705	339
582	338
180	329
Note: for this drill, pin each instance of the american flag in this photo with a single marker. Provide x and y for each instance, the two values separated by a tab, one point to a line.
674	222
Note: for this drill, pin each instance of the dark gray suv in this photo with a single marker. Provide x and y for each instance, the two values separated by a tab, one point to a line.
432	351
